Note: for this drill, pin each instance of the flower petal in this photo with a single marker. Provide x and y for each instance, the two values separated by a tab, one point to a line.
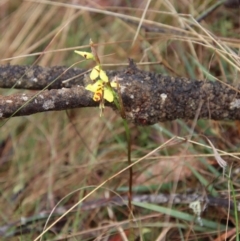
114	84
95	72
108	95
84	54
103	76
95	86
90	88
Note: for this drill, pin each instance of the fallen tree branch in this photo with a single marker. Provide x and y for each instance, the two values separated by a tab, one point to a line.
47	100
147	97
24	225
39	78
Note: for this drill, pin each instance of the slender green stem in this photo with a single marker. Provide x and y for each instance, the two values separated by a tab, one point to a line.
235	210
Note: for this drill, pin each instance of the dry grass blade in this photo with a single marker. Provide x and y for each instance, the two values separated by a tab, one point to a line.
101	185
55	159
219	159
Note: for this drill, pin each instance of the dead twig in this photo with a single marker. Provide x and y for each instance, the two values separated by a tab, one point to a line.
147	97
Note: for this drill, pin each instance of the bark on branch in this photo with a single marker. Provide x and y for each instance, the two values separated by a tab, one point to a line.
147	97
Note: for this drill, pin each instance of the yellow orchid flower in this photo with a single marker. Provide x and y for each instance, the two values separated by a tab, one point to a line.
100	91
98	72
101	88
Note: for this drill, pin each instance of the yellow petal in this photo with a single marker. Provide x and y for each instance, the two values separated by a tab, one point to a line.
103	76
85	55
114	84
90	88
108	95
97	89
95	72
95	86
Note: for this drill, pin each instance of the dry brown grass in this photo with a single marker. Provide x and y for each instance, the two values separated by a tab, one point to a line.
47	156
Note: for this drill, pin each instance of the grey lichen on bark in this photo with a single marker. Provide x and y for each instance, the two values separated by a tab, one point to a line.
48	100
147	97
